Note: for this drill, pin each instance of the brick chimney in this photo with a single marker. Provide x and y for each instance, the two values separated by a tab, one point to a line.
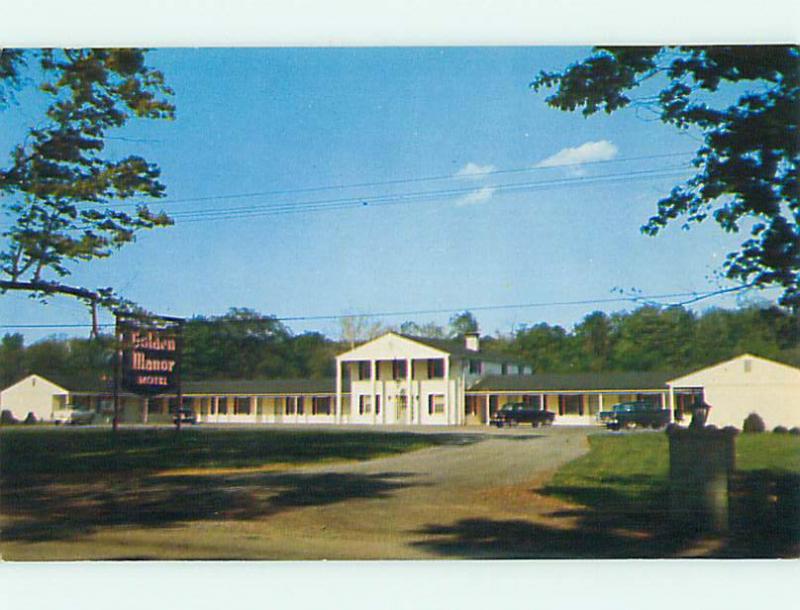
472	341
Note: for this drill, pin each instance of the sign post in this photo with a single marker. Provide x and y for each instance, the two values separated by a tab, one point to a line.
148	359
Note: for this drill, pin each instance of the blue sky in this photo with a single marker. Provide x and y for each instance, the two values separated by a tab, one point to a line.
279	122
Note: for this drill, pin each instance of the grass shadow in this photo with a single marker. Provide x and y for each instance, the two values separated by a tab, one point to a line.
68	511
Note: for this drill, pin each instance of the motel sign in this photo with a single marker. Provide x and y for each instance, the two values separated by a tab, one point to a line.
150	358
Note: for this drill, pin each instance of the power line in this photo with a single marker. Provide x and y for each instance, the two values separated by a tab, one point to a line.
397	181
388	314
277	209
322	205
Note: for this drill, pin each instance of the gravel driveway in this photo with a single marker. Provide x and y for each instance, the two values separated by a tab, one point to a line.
475	496
411	498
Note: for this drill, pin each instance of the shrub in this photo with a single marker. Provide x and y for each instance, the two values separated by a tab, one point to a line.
6	418
780	430
753	423
30	419
795	431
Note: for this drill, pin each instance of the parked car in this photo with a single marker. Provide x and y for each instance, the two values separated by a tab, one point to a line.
186	415
635	414
73	417
514	413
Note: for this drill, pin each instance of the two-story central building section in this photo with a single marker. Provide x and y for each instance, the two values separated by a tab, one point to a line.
400	379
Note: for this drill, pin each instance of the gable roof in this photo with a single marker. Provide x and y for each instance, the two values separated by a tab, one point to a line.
614	380
726	363
453	347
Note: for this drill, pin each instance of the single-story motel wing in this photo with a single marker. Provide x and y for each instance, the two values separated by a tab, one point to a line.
405	380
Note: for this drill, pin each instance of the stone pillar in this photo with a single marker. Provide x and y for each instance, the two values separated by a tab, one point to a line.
701	463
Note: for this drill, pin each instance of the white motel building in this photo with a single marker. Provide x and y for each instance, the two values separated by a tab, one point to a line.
403	380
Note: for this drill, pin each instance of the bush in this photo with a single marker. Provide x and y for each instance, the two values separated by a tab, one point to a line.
30	419
753	423
795	431
6	418
780	430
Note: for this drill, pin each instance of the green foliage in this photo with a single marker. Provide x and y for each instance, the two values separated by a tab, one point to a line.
429	330
652	338
747	165
60	183
7	418
244	344
461	324
753	424
780	430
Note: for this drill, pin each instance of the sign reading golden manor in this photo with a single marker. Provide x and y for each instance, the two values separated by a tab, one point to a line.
151	351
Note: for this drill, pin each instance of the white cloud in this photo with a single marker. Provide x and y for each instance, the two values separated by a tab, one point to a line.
474	171
482	195
585	153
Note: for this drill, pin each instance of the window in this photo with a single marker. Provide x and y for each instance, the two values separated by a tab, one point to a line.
241	405
435	404
377	404
364	404
435	368
571	404
364	370
475	367
222	405
300	405
321	405
504	369
399	370
289	405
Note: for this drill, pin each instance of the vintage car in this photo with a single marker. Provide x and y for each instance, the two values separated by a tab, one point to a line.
74	417
186	415
514	413
635	414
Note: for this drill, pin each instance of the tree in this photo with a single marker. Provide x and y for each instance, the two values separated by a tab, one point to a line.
356	329
242	344
60	184
747	165
429	330
461	324
595	340
12	354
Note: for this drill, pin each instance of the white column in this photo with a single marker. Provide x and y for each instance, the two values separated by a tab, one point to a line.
409	364
338	409
599	405
146	406
486	405
447	401
254	407
671	404
372	371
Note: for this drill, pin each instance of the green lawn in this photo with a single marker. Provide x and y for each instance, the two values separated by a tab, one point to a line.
633	465
623	484
45	451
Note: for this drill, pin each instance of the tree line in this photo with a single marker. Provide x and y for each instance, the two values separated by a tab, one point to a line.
243	344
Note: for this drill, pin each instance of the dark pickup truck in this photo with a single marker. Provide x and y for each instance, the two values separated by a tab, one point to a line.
635	414
515	413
